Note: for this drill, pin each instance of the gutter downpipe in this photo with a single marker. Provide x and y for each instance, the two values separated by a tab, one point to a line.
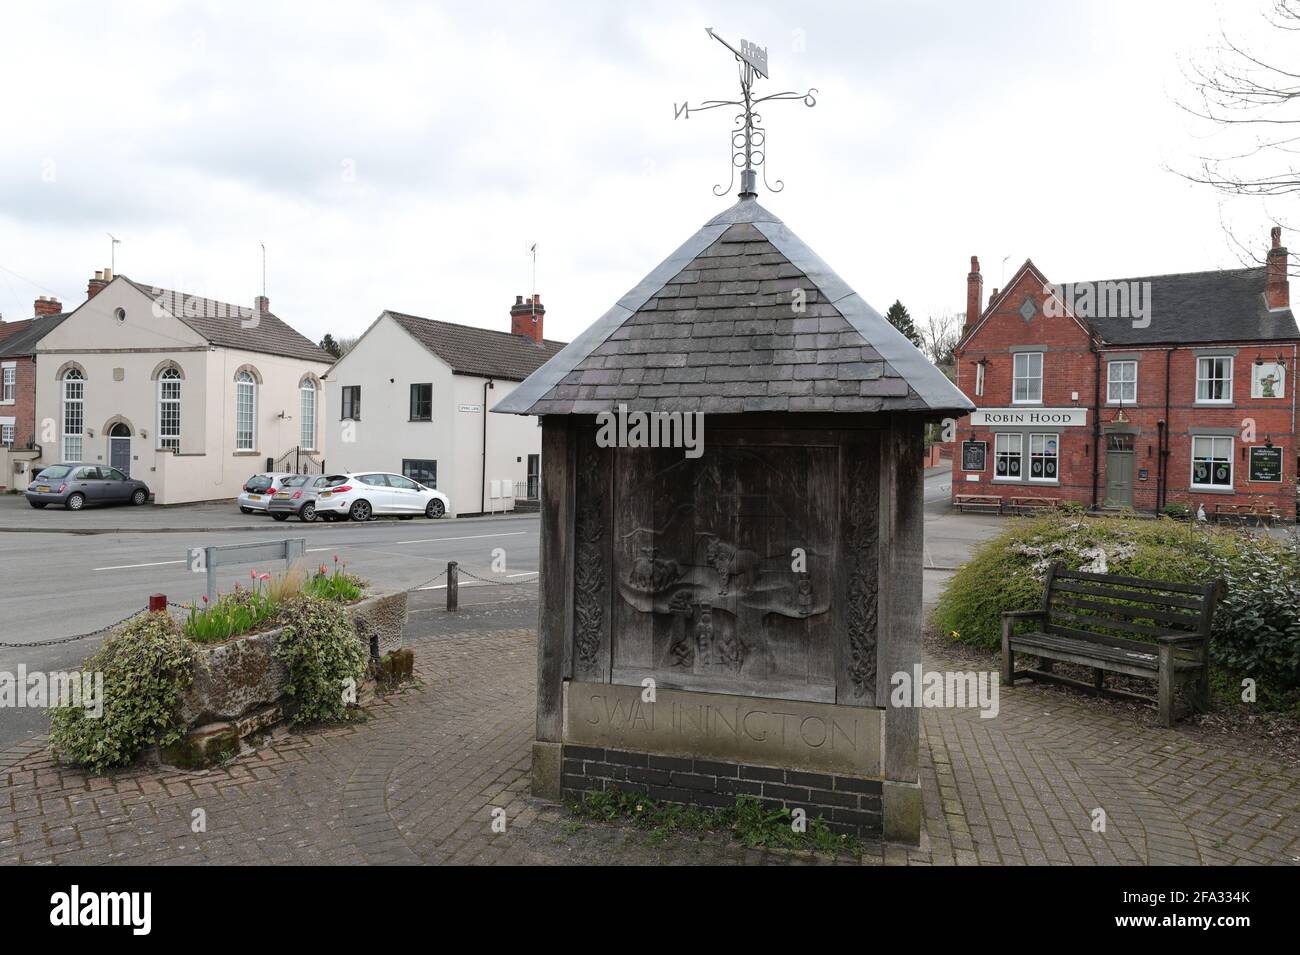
482	486
1162	498
1096	416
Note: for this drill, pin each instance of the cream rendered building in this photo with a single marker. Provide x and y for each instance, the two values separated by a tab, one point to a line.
188	394
411	397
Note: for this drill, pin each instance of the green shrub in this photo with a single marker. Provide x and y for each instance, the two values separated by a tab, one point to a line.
325	660
1179	512
1257	625
146	666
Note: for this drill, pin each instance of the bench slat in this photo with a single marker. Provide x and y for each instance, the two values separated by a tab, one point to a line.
1134	613
1134	582
1136	596
1086	621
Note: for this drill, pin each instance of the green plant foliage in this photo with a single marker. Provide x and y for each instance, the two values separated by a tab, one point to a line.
230	615
749	821
325	660
147	665
1179	512
339	586
1256	629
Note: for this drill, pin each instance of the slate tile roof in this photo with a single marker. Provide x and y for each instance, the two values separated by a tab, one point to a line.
479	351
1224	305
742	318
223	324
22	340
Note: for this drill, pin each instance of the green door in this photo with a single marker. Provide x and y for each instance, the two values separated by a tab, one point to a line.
1119	470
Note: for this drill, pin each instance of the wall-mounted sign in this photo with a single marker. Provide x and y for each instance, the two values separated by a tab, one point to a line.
1143	473
974	455
1266	464
472	409
1268	380
1035	417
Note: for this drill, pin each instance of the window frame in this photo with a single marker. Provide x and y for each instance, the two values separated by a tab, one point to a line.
979	379
1228	380
1016	377
11	431
1111	382
8	383
406	462
1019	457
350	403
167	440
245	379
1214	439
412	408
1055	457
307	428
71	376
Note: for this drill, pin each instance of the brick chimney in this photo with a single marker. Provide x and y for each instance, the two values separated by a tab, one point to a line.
262	304
47	306
526	317
98	283
974	292
1277	290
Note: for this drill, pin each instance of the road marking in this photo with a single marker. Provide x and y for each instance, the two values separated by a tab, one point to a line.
156	563
524	574
434	540
468	583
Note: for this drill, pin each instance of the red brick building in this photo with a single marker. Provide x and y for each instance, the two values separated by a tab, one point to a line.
18	430
1144	392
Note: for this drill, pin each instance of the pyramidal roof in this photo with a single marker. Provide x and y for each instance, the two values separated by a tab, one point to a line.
743	317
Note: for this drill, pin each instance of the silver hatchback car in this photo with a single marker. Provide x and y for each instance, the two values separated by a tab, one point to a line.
296	494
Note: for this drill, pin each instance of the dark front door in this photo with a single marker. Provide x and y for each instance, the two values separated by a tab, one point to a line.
119	448
1119	470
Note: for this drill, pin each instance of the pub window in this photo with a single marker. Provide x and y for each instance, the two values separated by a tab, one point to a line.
422	402
1027	377
1121	382
351	402
1044	454
1211	462
979	379
1214	379
1007	452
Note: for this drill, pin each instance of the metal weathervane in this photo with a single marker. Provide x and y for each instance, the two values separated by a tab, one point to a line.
748	137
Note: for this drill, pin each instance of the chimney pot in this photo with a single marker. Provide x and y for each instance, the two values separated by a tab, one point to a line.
47	305
974	292
526	317
96	285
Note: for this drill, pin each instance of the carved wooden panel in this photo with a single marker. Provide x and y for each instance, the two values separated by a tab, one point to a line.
857	619
592	580
727	568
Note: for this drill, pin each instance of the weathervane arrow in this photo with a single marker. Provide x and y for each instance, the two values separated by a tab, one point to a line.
748	138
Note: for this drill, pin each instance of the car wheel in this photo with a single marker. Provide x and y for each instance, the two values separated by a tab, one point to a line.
245	510
139	497
76	502
434	510
280	516
307	513
360	511
38	504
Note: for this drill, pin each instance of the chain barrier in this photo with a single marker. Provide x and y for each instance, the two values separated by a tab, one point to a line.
533	578
73	639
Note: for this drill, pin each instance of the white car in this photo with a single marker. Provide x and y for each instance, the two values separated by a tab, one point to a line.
259	489
360	497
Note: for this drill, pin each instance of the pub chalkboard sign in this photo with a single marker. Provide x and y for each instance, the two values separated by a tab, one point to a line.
973	455
1266	464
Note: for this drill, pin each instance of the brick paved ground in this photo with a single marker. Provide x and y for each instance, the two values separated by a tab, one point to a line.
418	782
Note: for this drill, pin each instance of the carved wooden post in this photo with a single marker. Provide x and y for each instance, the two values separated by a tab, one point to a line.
453	586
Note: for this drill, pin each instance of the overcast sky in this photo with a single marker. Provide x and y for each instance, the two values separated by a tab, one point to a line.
405	155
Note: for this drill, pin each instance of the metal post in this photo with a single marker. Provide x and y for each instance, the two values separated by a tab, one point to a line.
453	589
211	566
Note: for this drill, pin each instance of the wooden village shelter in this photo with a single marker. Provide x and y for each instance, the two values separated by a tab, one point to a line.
728	623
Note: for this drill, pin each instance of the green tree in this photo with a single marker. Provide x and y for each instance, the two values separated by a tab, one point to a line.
900	319
330	345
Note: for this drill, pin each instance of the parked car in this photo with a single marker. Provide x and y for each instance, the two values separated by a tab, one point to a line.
360	497
258	490
297	495
77	485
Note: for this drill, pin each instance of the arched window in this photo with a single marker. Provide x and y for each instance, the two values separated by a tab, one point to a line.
307	419
245	412
169	409
74	416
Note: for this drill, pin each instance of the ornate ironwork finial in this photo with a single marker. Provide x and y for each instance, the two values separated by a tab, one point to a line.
748	138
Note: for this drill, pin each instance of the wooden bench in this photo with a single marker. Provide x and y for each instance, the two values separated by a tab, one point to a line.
978	502
1082	619
1246	513
1027	505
